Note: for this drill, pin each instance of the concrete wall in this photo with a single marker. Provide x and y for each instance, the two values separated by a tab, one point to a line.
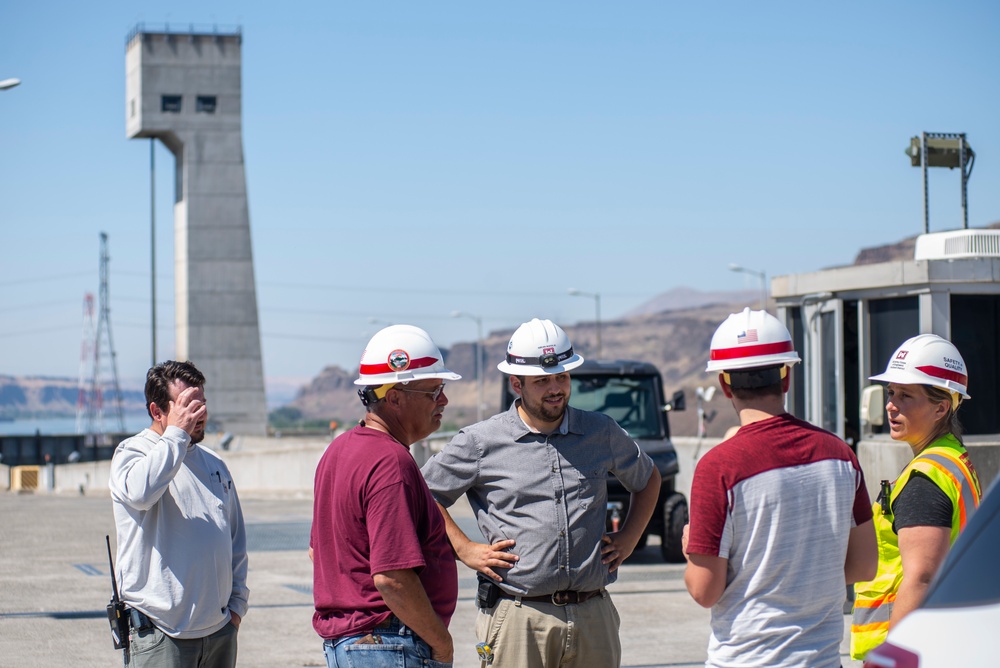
260	465
286	466
883	459
216	319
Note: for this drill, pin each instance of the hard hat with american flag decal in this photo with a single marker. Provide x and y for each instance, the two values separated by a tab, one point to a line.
751	340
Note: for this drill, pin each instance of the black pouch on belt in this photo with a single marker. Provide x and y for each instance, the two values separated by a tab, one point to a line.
488	593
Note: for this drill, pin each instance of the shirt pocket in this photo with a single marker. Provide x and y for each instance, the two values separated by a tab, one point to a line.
591	488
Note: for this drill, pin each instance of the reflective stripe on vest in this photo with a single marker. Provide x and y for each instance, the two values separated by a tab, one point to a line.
963	477
866	615
947	464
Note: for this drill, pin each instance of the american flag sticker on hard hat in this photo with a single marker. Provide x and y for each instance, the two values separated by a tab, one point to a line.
748	336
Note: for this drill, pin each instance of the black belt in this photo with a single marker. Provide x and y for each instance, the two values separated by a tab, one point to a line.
139	621
387	622
559	598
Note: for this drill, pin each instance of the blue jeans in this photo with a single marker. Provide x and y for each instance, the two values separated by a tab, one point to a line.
392	646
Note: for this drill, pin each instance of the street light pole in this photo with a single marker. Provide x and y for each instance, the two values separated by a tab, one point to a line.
152	243
9	83
596	296
763	282
479	359
704	395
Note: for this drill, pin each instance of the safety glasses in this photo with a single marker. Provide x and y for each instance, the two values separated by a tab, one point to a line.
435	393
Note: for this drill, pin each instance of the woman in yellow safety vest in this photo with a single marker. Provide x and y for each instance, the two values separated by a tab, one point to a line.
920	514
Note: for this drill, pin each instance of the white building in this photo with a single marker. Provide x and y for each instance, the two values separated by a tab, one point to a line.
846	323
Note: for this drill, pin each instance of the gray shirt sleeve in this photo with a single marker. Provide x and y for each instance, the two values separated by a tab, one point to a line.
454	470
632	466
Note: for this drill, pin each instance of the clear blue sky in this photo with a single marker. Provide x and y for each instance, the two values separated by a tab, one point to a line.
407	159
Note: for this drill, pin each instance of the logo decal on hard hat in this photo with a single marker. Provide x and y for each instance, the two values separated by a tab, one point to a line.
547	350
398	360
748	336
899	361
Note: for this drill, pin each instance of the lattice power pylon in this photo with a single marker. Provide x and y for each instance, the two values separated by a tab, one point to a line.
98	363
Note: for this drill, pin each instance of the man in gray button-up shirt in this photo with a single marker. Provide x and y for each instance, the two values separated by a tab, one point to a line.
536	478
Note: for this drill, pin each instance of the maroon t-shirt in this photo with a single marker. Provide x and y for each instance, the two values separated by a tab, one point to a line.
372	513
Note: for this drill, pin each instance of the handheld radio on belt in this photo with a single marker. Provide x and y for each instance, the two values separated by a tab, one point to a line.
117	616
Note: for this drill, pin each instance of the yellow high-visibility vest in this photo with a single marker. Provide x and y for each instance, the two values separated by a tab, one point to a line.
947	464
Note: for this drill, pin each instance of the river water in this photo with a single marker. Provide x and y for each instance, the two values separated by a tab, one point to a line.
50	426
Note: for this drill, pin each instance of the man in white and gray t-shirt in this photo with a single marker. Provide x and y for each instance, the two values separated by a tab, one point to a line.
780	517
182	559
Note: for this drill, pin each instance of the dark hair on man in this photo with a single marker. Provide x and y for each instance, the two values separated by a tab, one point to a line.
161	377
753	393
756	383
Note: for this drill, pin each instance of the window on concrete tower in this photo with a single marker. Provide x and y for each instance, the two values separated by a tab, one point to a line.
205	104
170	104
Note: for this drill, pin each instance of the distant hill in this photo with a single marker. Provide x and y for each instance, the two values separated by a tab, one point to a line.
672	330
676	341
686	298
42	396
901	250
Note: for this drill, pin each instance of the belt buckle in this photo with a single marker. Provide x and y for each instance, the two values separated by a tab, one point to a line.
560	598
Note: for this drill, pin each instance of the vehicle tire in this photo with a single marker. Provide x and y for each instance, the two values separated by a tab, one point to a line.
675	516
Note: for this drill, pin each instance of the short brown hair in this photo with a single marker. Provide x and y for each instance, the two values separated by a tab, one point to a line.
161	376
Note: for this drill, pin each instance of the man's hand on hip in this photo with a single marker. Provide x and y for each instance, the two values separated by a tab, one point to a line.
484	558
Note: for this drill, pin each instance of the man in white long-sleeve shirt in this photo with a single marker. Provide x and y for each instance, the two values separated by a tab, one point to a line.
182	560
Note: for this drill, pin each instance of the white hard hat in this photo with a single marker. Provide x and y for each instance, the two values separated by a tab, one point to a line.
537	348
399	354
750	340
927	359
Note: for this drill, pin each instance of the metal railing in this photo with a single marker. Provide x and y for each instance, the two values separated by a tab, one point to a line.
190	29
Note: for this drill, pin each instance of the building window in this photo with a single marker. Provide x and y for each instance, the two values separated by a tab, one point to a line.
797	392
170	104
828	370
132	108
205	104
974	322
891	321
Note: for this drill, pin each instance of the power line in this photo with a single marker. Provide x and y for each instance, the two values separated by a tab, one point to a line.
43	279
38	330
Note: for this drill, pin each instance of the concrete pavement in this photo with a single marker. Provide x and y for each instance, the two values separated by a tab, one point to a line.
55	586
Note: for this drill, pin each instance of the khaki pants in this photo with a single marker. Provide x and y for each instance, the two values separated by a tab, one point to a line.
529	634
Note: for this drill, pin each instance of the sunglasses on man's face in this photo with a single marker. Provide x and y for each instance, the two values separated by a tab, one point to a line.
435	393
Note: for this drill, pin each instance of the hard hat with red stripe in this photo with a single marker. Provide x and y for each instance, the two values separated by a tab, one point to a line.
400	354
927	359
539	348
751	340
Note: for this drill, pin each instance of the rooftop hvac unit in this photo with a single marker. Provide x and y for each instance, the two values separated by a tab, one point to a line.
957	245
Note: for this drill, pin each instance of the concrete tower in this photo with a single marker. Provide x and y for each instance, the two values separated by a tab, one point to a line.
185	90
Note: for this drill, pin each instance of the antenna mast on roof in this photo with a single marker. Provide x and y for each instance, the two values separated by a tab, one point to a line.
943	149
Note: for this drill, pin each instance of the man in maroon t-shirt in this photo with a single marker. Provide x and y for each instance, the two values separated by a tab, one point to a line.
384	573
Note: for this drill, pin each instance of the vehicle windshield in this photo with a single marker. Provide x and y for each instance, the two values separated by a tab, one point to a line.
630	401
